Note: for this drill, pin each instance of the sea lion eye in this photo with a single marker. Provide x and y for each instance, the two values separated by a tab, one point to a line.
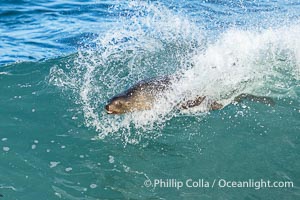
118	103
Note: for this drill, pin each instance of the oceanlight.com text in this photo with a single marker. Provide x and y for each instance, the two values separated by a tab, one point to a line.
217	183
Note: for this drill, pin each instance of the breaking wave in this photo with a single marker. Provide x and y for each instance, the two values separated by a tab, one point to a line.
151	40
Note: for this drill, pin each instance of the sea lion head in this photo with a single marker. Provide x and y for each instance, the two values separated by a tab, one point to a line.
134	99
118	105
139	97
124	104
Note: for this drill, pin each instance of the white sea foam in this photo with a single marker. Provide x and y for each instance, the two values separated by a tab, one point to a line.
5	73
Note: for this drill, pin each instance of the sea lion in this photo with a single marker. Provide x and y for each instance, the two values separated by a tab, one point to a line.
142	95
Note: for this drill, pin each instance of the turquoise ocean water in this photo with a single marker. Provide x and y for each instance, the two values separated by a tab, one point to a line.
61	61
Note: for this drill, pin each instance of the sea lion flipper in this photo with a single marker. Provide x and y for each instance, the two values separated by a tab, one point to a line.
196	102
251	97
216	106
192	103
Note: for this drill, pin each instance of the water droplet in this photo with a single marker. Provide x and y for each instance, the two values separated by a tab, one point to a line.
111	159
68	169
93	186
5	148
53	164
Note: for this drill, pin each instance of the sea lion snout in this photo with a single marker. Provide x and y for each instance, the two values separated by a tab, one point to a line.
108	110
